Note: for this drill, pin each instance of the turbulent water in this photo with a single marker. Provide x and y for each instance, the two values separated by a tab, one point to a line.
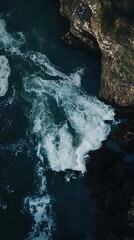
4	75
65	123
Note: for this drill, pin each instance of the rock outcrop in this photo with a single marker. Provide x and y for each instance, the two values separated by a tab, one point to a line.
107	25
111	181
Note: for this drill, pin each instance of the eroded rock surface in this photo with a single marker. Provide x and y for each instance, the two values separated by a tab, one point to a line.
111	181
107	25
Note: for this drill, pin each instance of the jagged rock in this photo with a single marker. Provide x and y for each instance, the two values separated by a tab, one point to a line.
108	25
111	181
124	136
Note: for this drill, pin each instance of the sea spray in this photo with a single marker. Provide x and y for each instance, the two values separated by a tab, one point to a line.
4	75
10	42
10	45
80	127
66	124
39	207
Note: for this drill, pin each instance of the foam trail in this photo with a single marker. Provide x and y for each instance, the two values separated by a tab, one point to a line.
67	124
10	42
4	75
39	206
49	70
82	126
76	77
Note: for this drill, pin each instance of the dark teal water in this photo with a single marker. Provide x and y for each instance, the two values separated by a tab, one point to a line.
70	214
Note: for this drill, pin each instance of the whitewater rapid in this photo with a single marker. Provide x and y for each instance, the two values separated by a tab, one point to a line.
82	127
67	123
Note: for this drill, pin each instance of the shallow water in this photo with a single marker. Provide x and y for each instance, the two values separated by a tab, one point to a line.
50	121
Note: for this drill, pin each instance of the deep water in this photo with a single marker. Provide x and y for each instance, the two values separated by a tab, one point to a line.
50	120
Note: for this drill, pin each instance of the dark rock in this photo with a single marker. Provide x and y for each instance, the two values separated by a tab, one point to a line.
110	22
111	182
109	26
124	136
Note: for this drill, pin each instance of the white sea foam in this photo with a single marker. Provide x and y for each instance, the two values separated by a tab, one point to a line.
3	205
39	206
84	114
10	42
67	124
82	127
4	75
76	77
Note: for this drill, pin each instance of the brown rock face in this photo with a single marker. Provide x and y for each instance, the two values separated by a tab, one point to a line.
109	26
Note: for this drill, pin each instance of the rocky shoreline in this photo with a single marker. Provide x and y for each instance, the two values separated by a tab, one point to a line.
105	27
111	181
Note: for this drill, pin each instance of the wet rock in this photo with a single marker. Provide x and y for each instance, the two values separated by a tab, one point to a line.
111	181
73	41
124	112
107	24
124	136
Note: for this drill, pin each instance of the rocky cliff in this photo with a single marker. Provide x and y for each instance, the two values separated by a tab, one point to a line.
106	25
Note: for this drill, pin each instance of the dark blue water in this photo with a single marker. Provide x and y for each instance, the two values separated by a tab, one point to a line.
43	194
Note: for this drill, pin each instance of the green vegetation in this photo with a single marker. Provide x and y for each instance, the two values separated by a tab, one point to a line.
117	18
